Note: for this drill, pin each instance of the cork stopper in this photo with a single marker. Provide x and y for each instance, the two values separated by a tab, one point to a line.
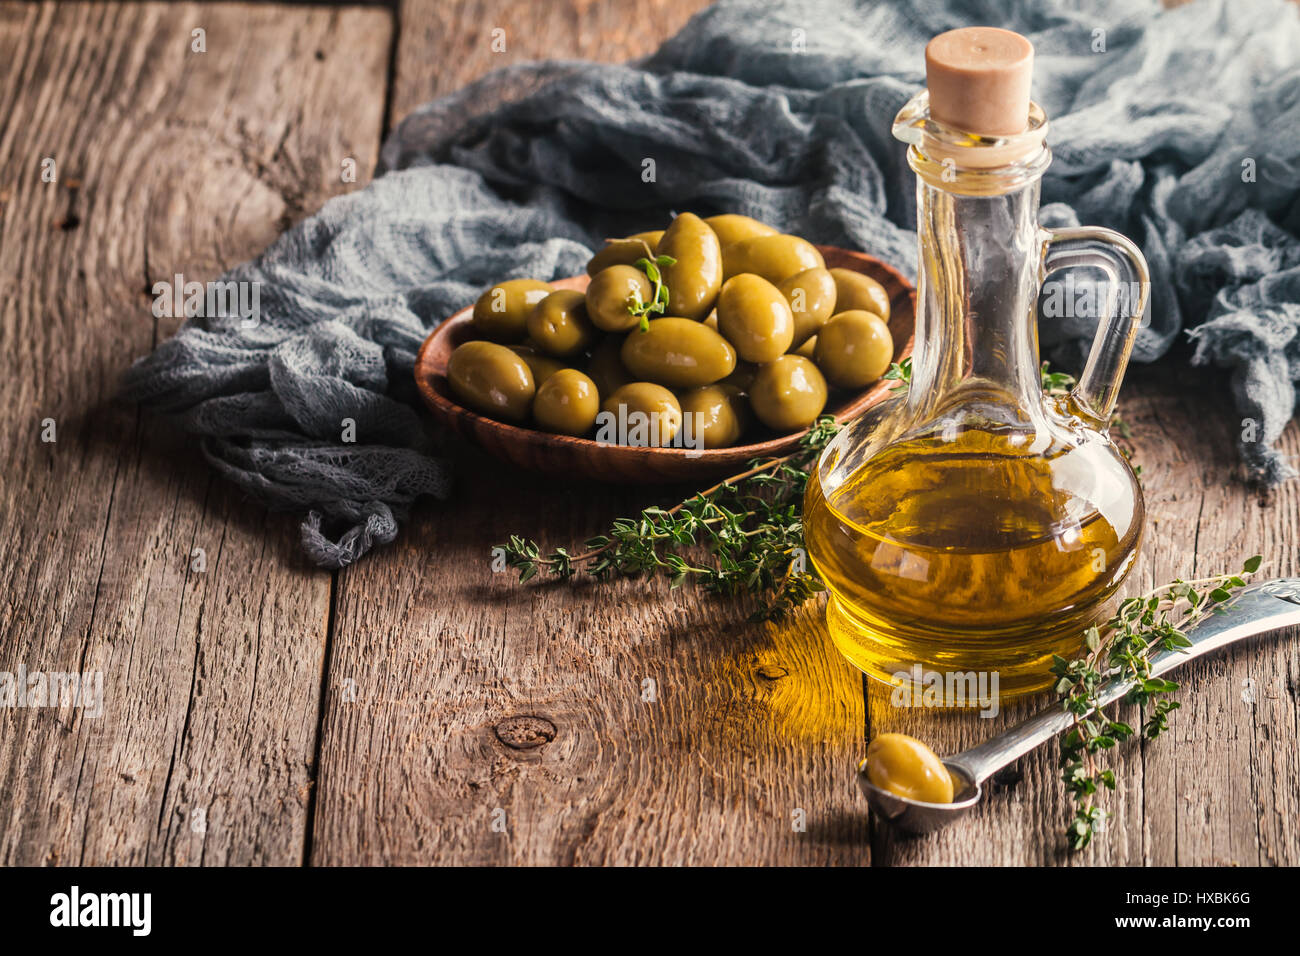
978	79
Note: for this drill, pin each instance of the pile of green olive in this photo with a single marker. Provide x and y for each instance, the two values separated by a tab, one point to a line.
723	319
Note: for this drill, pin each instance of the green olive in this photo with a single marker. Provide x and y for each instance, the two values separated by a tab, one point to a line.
775	258
567	403
755	317
811	295
854	349
641	414
501	313
731	228
788	394
904	766
491	379
808	349
722	412
624	252
853	290
679	353
542	366
694	279
742	377
559	326
610	294
606	367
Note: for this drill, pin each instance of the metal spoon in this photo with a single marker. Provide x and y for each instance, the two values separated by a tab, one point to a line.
1251	611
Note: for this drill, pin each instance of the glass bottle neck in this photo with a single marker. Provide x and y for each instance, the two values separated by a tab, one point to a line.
977	288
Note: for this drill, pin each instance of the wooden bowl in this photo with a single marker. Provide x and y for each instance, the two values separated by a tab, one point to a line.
562	455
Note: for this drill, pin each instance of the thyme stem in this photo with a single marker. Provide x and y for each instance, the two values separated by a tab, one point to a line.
1143	625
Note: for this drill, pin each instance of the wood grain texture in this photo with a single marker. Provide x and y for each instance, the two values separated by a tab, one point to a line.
446	44
430	678
168	161
745	756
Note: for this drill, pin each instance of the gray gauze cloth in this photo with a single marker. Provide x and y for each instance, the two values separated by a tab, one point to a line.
1180	128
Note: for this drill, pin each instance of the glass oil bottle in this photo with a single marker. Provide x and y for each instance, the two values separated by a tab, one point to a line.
972	523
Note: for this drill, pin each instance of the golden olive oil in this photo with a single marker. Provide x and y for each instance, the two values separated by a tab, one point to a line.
973	552
971	527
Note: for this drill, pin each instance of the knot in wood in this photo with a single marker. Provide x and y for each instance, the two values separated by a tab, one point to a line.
525	733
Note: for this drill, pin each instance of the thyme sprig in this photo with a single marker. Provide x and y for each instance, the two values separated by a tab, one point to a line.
658	304
1055	383
1123	647
750	527
900	372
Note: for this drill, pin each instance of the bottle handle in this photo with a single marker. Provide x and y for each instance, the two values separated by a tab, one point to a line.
1128	290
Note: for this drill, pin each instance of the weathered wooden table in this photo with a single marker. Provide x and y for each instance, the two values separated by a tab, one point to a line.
418	708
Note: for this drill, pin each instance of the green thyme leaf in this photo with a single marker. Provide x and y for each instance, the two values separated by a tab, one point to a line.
743	536
1122	648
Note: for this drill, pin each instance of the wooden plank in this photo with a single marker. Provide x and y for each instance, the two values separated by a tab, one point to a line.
460	695
445	44
728	765
169	161
1220	788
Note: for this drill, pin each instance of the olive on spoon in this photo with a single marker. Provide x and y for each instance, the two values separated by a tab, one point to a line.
901	772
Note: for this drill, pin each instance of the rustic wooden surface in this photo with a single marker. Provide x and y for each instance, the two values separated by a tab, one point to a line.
188	163
418	708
